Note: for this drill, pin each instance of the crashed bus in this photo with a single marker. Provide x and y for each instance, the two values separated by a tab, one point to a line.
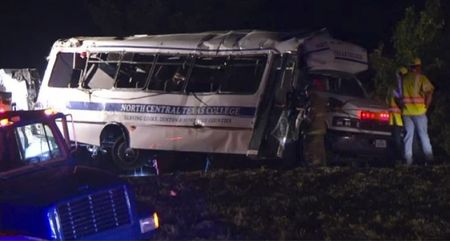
237	92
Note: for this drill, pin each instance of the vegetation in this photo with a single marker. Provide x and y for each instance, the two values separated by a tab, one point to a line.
314	204
420	34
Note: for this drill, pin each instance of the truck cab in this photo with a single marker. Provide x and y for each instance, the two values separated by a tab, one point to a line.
45	195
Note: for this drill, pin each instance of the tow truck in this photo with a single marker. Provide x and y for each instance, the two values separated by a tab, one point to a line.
46	195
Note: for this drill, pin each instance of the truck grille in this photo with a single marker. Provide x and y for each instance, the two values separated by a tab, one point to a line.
94	213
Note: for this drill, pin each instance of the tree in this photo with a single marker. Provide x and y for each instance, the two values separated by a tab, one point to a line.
421	34
414	33
412	37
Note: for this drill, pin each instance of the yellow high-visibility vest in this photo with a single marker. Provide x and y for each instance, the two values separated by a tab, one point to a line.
414	88
395	113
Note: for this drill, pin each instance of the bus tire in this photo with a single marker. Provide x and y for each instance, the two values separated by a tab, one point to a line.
124	157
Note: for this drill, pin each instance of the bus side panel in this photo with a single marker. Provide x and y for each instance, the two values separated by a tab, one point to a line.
178	122
87	133
209	140
87	124
161	121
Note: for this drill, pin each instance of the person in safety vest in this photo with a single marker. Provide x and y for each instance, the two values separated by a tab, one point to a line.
395	102
417	92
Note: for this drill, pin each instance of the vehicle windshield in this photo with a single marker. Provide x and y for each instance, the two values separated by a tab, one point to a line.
27	145
341	85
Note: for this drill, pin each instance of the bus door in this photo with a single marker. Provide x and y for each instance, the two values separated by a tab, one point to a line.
226	91
280	121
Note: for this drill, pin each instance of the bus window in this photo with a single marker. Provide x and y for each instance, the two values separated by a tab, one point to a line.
134	70
243	74
206	75
64	72
101	70
170	73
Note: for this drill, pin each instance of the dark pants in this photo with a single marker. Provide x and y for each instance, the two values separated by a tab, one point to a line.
397	135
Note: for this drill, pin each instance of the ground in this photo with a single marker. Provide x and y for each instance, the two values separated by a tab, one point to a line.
302	203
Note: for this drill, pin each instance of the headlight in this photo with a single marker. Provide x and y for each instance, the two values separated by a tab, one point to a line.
149	224
53	220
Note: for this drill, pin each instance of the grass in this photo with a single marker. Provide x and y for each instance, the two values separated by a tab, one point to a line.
303	203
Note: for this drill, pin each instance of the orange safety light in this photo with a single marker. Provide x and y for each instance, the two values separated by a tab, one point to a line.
5	122
50	112
156	220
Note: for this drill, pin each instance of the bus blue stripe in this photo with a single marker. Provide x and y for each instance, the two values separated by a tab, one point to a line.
237	111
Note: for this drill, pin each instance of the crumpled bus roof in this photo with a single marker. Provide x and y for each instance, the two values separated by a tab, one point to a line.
320	49
239	40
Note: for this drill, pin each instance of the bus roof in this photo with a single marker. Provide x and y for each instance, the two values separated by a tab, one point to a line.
237	40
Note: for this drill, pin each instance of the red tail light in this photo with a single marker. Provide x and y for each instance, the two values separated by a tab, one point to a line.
379	116
384	116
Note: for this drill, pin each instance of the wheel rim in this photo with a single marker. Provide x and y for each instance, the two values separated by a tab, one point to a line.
126	154
126	157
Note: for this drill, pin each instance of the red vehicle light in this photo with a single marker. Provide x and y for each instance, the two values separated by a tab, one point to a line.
378	116
384	116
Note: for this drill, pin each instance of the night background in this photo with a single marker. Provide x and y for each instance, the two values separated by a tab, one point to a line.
304	203
29	28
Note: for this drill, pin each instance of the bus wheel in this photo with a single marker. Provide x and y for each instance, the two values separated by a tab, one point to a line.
124	157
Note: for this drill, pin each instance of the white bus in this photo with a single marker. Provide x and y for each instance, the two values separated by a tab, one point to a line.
236	92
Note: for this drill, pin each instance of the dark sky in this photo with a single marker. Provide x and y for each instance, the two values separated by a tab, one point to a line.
30	27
